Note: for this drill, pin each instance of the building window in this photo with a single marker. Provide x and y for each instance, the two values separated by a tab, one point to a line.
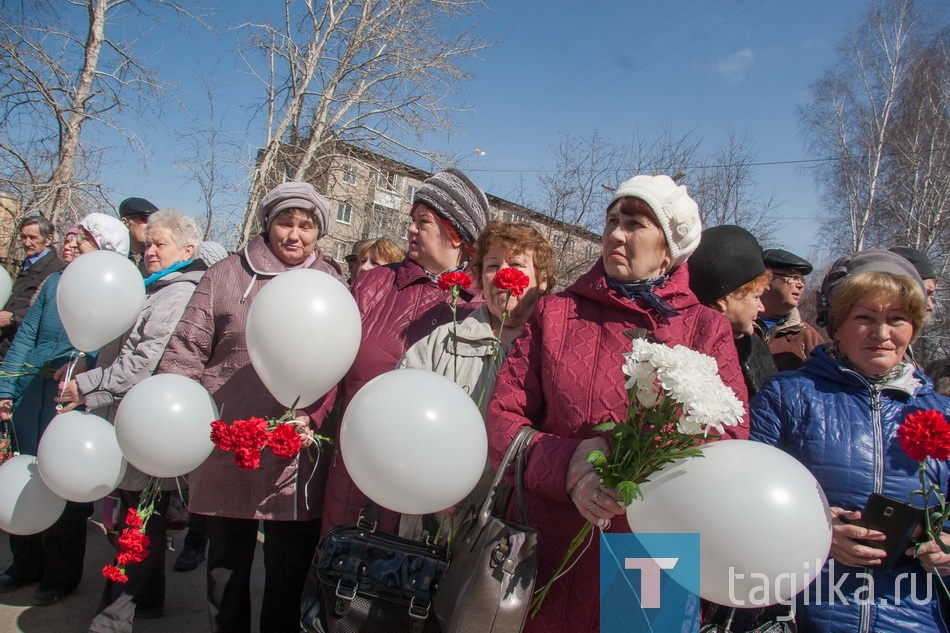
511	216
341	252
349	174
411	193
590	250
343	212
391	181
557	240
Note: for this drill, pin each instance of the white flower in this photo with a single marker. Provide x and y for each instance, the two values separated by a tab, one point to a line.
690	378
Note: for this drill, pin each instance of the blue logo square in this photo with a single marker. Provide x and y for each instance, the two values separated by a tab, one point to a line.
649	582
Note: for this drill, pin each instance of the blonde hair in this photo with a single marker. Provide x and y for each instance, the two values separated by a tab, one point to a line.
383	249
883	287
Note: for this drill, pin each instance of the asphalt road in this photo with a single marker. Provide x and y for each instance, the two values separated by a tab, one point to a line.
185	606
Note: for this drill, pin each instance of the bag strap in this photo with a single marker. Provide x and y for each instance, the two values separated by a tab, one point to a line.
515	452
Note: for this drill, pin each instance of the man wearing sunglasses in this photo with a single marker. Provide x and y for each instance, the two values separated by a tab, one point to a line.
780	325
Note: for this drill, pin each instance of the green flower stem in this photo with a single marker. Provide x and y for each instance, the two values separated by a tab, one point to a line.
580	538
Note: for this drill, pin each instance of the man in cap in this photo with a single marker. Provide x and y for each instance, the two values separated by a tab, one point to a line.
40	261
926	270
134	214
780	325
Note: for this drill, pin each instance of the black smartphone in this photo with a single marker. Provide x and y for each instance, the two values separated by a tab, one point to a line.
900	522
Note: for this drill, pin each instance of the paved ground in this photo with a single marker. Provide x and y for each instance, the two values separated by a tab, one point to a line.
185	607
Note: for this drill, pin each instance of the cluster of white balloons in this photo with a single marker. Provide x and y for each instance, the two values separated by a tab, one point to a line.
162	425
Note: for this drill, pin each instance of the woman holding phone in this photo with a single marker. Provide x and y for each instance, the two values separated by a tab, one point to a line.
838	414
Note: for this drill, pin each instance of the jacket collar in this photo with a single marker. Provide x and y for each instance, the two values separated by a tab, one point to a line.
822	364
409	272
593	285
192	273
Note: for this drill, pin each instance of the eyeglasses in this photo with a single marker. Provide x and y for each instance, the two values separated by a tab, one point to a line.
790	279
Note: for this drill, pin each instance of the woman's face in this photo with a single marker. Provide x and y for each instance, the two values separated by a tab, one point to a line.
634	245
161	251
293	236
429	245
369	261
875	336
70	249
741	311
84	242
519	308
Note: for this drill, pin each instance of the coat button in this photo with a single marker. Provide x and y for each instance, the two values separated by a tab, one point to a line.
435	322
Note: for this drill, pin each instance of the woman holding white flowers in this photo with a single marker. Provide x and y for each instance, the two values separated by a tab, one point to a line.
839	414
564	377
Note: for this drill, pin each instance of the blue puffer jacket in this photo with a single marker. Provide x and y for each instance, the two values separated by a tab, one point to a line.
832	420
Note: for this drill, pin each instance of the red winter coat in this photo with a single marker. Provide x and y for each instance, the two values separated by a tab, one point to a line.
563	376
399	305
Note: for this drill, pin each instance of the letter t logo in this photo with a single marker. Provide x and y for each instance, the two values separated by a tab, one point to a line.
650	577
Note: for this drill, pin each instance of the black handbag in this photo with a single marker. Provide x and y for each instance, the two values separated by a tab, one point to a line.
366	581
490	580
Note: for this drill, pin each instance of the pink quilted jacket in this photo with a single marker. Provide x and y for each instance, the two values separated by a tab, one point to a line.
399	305
563	376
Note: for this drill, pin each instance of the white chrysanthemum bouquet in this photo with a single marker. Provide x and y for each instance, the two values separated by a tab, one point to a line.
675	397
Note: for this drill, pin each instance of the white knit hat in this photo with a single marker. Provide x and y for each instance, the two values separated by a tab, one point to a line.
108	232
677	213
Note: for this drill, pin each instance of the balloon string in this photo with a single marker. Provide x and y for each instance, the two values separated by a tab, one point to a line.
70	367
306	489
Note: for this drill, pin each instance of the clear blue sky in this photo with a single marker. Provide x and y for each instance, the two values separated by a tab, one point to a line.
563	66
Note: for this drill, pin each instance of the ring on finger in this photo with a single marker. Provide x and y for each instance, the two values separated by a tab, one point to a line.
596	495
591	507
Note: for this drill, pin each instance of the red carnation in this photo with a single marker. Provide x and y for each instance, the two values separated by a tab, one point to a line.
249	434
511	279
221	435
114	574
460	279
247	458
132	519
284	441
925	434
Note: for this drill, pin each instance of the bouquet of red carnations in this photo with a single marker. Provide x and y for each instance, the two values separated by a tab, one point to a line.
284	436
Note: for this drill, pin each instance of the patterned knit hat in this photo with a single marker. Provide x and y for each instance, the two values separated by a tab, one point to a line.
677	213
456	199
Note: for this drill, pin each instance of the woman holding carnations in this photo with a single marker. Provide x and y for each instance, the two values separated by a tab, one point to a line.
840	414
563	376
171	241
209	346
403	303
53	557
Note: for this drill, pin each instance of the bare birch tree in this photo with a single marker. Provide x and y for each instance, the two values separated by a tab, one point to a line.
850	115
373	73
60	73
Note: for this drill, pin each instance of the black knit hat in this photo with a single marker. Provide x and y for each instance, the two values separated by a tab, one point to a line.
779	258
457	200
727	258
919	259
136	207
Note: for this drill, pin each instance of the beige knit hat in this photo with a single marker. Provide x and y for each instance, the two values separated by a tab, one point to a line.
677	213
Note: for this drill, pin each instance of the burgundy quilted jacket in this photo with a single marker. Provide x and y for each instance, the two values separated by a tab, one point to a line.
399	305
563	376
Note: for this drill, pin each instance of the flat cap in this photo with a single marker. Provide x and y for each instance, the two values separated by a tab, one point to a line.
779	258
136	206
919	259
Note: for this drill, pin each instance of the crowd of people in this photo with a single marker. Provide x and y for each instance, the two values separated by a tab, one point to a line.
539	358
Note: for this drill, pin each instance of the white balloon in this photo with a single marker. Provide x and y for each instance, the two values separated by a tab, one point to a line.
27	505
163	425
763	520
303	332
6	286
413	441
99	297
79	457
